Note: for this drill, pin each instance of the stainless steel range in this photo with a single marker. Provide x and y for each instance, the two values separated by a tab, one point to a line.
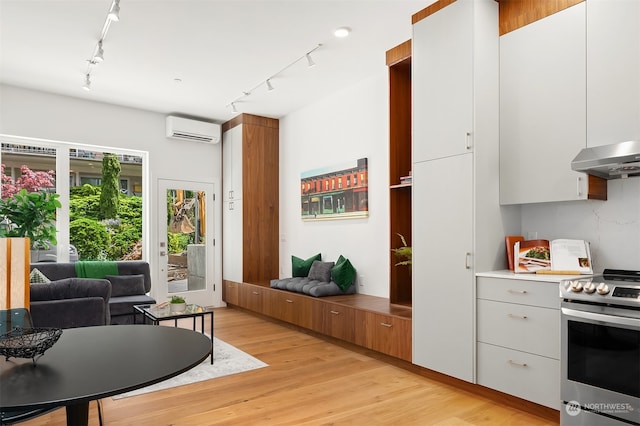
600	355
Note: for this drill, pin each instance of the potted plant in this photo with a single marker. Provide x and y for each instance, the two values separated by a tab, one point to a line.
177	304
404	253
30	215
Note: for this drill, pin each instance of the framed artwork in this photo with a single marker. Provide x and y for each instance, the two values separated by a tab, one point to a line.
335	192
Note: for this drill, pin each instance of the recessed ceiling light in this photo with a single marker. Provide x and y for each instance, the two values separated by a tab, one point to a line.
342	32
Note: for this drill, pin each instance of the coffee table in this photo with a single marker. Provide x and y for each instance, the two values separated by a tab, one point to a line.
90	363
155	315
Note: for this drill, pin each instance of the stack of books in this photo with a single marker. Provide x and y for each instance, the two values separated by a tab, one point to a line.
406	179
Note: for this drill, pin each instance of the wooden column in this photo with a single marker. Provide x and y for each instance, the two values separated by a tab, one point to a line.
15	256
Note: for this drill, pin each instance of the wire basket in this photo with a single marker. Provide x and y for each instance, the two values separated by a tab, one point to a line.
28	342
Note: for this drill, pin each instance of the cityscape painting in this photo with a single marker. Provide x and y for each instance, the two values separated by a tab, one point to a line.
335	192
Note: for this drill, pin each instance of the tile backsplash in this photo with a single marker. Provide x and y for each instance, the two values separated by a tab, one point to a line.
612	227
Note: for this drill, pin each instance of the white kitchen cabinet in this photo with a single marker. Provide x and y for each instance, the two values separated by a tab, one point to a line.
232	164
613	71
442	272
446	74
456	216
518	334
543	109
232	245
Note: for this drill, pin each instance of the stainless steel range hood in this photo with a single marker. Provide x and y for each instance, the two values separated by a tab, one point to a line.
615	161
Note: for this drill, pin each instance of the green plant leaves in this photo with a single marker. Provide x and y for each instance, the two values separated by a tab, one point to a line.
32	215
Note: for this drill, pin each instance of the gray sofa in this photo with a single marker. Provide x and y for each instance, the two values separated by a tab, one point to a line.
70	303
128	288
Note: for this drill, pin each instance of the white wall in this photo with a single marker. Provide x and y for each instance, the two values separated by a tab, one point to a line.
612	227
42	115
342	127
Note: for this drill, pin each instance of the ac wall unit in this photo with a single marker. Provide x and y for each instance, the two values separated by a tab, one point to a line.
192	130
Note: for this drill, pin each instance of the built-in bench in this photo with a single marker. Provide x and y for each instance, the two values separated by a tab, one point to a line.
368	321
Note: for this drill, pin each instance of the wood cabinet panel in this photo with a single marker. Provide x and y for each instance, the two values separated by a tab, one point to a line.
292	308
252	297
230	292
337	321
386	334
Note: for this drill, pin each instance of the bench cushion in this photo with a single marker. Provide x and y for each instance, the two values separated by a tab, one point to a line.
311	287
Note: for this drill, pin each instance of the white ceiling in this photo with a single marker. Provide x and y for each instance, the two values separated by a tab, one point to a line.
219	49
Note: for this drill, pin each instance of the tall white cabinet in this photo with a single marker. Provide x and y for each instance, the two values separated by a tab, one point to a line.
457	221
232	204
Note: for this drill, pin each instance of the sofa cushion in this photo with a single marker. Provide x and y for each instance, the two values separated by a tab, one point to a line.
320	271
126	285
343	274
38	277
314	288
123	305
300	267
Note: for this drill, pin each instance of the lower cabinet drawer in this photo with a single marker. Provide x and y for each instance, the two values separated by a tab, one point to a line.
524	328
531	377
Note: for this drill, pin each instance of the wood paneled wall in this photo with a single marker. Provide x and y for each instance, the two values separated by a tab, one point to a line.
515	14
15	255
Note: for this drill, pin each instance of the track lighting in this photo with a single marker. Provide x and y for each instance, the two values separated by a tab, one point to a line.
98	52
310	62
114	13
99	56
267	82
87	83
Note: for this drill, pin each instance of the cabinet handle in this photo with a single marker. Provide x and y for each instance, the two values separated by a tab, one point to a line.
335	312
230	205
255	292
518	364
467	142
517	291
289	301
579	186
385	324
524	317
467	264
231	195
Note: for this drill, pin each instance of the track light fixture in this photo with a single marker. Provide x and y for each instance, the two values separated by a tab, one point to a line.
87	83
99	56
114	12
310	62
267	82
98	52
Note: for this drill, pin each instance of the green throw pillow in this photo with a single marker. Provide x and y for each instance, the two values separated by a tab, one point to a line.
38	277
343	274
300	267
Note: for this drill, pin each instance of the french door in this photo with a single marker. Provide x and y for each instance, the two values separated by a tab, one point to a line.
186	241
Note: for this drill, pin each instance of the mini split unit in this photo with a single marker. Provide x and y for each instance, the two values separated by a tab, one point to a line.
192	130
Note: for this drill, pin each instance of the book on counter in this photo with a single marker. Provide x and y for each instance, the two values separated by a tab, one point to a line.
561	256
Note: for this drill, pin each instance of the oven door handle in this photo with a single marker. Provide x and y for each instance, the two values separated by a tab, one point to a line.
630	322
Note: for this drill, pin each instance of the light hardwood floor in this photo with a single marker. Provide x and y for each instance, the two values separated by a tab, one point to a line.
309	381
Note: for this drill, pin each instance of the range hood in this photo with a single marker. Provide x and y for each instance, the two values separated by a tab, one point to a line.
615	161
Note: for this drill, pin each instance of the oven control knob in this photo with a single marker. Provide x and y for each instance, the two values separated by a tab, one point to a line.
589	288
576	286
602	288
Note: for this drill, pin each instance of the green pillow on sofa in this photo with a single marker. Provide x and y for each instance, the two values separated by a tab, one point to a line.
300	267
343	273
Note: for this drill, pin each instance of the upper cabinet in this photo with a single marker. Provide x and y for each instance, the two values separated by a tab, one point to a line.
613	71
446	75
543	109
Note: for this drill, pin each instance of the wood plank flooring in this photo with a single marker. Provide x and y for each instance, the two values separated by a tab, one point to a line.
309	381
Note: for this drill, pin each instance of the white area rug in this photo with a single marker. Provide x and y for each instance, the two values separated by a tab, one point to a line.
227	360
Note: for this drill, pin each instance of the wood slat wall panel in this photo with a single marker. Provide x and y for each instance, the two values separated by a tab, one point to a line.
15	257
430	10
399	53
515	14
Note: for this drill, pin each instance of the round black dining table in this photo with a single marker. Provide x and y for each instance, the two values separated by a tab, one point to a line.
90	363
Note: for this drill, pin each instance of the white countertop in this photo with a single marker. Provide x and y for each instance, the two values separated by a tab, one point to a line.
505	273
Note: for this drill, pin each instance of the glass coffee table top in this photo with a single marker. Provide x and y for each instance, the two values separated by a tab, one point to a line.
164	311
